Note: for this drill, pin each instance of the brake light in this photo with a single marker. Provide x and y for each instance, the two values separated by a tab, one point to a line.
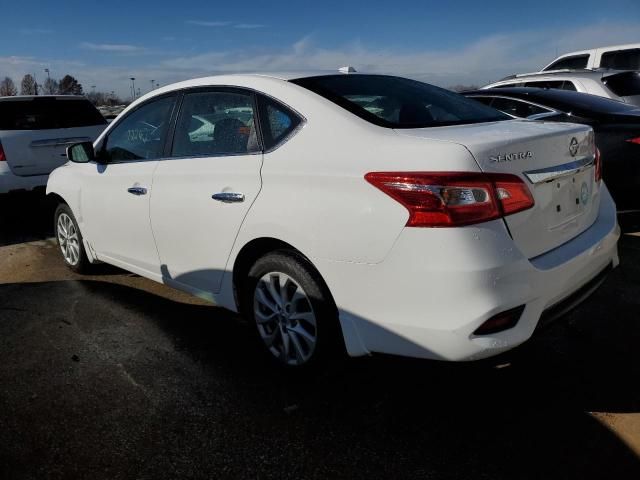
634	140
3	157
598	173
450	199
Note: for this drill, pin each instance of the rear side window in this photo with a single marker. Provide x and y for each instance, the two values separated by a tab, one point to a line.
277	122
396	102
552	84
626	84
517	108
215	123
570	63
48	113
621	59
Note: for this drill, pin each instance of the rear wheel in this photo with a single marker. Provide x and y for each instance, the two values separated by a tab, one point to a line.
70	239
293	314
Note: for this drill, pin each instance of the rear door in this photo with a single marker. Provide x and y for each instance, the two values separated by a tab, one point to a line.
35	131
203	192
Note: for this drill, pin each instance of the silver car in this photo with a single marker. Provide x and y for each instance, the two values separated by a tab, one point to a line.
622	85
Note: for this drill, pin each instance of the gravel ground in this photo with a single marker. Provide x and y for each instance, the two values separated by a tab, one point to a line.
112	376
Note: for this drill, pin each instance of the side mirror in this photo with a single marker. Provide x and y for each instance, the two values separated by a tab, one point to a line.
81	152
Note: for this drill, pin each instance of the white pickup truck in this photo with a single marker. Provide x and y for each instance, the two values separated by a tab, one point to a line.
35	132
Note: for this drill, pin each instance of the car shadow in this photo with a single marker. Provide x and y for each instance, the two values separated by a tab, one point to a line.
185	385
25	217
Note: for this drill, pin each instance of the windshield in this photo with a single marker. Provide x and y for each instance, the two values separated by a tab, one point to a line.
395	102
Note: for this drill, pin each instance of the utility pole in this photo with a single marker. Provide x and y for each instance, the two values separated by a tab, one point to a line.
133	88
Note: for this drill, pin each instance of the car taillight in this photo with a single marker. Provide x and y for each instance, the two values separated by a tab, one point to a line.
634	140
450	199
598	174
3	157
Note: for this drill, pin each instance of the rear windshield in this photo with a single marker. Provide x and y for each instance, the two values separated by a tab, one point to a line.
395	102
48	113
626	84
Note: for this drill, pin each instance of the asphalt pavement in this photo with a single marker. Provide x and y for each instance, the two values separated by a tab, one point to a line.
113	377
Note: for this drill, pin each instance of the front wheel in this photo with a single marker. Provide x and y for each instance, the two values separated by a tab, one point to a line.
294	316
70	239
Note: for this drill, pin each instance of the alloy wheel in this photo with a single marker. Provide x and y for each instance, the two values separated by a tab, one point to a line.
68	239
285	318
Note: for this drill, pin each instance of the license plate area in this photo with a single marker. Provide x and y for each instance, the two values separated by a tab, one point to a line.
568	197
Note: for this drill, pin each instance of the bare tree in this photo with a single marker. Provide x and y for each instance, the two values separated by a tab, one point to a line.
7	88
28	85
50	87
69	86
102	98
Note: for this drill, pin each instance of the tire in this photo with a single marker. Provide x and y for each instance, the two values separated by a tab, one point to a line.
291	311
69	239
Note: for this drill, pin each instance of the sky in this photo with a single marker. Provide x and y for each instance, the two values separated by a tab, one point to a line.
446	43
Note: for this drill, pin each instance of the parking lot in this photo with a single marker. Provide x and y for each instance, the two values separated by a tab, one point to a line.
112	376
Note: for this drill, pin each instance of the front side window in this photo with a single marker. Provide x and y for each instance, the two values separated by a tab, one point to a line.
215	123
277	122
141	134
570	63
517	108
396	102
509	85
485	100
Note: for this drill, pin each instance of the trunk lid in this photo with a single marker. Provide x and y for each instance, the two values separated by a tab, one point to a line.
555	160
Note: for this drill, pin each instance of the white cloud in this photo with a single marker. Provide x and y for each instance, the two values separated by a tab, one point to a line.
479	62
202	23
249	26
112	47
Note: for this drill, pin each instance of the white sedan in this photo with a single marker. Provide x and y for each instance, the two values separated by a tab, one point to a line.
348	211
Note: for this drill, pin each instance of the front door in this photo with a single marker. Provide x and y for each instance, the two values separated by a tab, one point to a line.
116	195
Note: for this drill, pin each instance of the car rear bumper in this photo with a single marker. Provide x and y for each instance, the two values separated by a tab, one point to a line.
437	286
10	182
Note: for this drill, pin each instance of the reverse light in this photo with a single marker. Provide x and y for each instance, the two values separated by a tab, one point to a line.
598	162
451	199
634	140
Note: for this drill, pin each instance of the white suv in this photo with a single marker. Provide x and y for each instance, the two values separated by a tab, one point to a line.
35	132
617	57
368	211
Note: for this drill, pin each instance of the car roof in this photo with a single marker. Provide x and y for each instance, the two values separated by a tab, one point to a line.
580	73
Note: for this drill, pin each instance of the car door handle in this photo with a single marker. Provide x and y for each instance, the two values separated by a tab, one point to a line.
137	190
228	197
